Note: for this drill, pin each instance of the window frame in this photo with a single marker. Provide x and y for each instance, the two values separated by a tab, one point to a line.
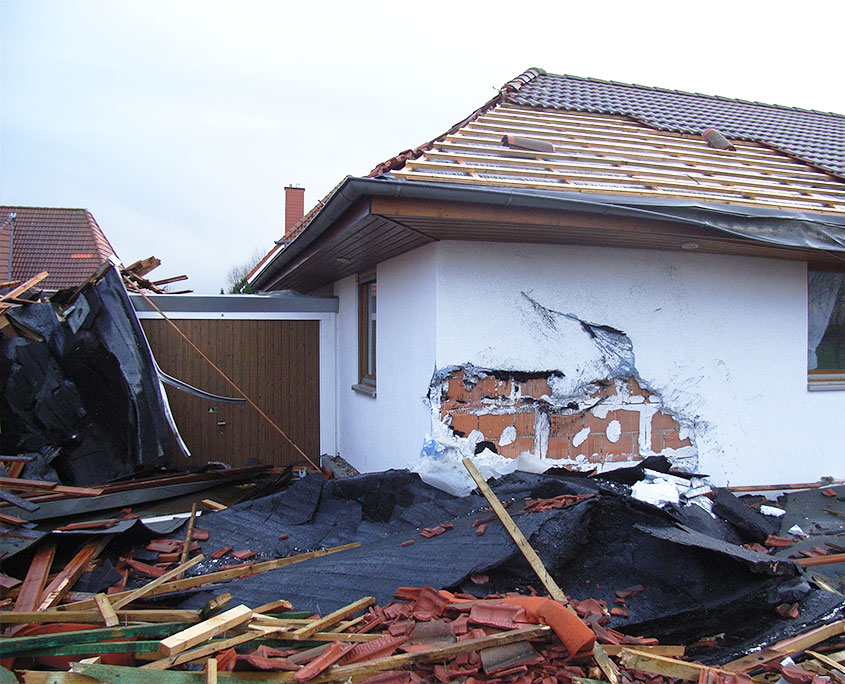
367	334
819	380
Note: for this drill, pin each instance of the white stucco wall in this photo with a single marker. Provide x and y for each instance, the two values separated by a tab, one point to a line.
387	431
722	339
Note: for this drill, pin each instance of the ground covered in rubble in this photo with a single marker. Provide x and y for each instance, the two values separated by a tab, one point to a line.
696	579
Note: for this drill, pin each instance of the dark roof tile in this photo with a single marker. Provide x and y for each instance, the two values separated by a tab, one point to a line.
815	137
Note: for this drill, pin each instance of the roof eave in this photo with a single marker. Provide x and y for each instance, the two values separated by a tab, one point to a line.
734	219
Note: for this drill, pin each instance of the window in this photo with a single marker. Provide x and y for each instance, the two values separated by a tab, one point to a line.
826	330
366	334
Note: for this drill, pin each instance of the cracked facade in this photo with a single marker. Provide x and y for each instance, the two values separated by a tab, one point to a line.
614	420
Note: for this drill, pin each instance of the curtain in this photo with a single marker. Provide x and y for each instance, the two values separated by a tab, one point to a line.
822	292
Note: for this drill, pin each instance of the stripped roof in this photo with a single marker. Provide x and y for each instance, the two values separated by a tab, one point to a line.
815	137
613	155
67	243
616	138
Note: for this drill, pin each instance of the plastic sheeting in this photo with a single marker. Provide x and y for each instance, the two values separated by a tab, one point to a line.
89	390
697	579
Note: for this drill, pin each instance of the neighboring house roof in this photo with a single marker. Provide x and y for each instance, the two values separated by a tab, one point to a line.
67	243
775	187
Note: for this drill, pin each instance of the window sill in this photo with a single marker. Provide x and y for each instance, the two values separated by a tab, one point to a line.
368	390
821	381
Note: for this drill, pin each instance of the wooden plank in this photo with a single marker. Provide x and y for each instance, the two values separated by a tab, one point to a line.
106	610
43	485
667	667
20	289
182	641
36	578
609	188
607	667
125	598
135	647
221	576
657	649
210	671
67	577
821	560
785	648
516	534
213	647
189	533
332	618
827	661
47	642
213	505
785	486
42	616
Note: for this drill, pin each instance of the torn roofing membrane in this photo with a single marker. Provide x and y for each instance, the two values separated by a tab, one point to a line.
89	388
697	579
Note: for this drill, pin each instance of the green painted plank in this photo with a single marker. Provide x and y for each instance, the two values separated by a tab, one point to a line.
93	649
15	645
7	677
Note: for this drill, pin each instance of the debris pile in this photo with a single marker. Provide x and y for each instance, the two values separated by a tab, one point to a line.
573	579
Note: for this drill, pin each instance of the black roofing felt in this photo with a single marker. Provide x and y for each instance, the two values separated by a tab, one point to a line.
592	548
816	137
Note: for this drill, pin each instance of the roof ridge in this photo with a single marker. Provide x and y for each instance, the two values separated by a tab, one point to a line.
29	206
659	89
99	236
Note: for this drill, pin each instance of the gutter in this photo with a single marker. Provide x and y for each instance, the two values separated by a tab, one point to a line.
771	226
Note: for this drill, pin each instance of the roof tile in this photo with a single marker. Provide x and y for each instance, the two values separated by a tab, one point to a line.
815	137
67	243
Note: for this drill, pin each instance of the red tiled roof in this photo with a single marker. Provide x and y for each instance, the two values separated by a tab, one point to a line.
67	243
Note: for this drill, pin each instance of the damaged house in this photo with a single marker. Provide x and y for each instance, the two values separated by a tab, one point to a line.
591	272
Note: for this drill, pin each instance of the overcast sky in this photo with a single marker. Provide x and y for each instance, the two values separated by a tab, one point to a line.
179	123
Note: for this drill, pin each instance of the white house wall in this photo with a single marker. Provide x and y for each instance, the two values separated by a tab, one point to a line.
386	431
717	343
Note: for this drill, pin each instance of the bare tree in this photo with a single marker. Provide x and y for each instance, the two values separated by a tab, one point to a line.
236	277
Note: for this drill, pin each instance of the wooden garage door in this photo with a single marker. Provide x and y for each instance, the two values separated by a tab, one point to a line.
276	363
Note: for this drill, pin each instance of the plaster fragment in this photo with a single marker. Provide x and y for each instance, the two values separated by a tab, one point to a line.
508	436
614	431
581	437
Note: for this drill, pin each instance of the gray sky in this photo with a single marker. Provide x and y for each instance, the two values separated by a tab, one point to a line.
179	123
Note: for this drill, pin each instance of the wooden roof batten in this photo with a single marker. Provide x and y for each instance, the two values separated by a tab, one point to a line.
609	154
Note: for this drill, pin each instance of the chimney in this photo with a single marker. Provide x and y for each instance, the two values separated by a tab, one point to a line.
294	207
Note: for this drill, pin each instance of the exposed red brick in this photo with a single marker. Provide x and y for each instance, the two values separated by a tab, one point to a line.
629	420
541	387
558	447
596	424
457	391
656	441
517	447
565	425
621	447
606	389
464	422
485	388
671	440
594	444
491	425
524	423
634	388
663	421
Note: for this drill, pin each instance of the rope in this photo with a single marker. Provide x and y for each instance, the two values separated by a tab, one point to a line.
231	382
